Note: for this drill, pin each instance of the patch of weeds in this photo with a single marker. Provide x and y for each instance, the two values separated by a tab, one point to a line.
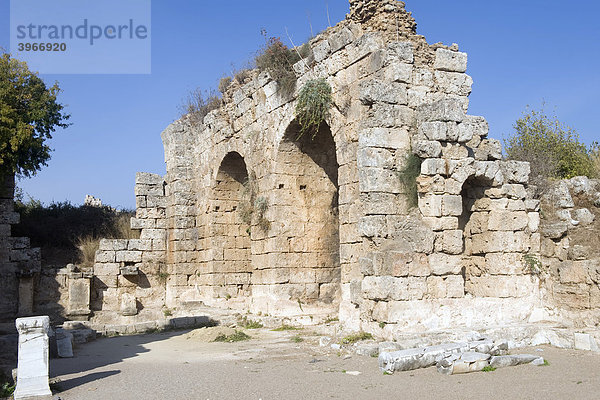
227	296
297	339
278	60
253	208
314	102
167	312
199	103
408	178
387	373
224	84
382	325
242	76
533	263
545	364
6	389
237	336
488	368
163	276
285	327
250	324
330	320
356	337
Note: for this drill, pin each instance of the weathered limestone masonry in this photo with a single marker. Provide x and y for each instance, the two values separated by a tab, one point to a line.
342	235
250	217
19	264
129	274
569	255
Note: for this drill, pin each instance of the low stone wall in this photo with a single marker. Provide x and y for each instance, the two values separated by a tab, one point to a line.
20	265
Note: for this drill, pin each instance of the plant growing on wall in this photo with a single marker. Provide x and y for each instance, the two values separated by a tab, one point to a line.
533	263
278	60
314	102
408	178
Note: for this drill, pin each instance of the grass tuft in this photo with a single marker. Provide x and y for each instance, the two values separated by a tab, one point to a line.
356	337
285	327
250	324
488	368
238	336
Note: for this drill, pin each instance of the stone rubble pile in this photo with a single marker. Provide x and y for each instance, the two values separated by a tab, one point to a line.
455	358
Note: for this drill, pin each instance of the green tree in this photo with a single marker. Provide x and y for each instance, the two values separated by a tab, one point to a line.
552	148
29	114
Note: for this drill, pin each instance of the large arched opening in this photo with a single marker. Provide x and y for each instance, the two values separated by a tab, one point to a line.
305	223
230	268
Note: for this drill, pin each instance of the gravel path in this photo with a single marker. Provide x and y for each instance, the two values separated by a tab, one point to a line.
271	366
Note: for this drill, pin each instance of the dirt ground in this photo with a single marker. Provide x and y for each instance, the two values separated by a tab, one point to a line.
184	365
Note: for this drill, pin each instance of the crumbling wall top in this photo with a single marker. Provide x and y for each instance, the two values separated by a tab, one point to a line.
391	18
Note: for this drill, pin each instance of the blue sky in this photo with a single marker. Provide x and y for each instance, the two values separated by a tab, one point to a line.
520	53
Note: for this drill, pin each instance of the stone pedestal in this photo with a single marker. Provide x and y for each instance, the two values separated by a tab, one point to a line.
32	376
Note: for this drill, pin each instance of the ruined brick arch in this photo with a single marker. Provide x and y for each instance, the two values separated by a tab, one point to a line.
230	242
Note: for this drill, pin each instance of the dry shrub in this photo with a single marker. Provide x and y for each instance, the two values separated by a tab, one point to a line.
87	246
242	76
224	84
278	60
199	103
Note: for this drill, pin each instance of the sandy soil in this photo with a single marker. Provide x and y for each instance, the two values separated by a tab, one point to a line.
180	365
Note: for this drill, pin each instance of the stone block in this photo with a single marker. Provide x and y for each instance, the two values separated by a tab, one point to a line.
434	166
500	286
441	110
427	149
430	205
448	60
145	178
399	72
505	220
106	269
444	264
452	242
385	138
103	256
452	205
401	51
433	130
373	226
340	39
454	83
113	244
128	305
129	256
515	171
79	297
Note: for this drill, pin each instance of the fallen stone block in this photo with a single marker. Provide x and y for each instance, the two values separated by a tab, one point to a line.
464	363
512	360
64	343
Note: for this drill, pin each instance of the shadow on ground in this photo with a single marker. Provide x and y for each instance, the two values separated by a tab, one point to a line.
93	355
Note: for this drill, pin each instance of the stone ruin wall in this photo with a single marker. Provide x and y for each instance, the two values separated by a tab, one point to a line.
250	218
20	265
